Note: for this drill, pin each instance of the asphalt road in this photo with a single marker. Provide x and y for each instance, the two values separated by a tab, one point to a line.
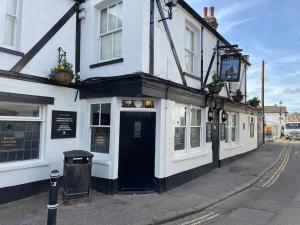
273	200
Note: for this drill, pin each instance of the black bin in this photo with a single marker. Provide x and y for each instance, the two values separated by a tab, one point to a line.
77	174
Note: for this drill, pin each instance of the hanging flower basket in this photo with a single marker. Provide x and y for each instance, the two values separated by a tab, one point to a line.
63	73
63	77
214	89
237	98
254	102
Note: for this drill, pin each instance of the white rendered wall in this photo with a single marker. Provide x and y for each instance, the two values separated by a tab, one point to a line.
38	16
244	143
51	150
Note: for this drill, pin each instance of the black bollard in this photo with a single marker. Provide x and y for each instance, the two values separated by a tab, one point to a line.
53	193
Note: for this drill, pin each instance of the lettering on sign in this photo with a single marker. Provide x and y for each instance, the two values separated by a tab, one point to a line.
63	124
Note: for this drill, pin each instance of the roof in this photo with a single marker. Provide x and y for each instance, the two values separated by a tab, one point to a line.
275	109
196	15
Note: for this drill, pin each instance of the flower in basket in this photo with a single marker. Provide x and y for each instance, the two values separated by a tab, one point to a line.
63	73
216	85
238	95
254	102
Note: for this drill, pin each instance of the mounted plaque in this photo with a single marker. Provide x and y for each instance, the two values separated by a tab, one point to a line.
230	67
63	124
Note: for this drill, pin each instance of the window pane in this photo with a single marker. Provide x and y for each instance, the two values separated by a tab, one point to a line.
100	139
195	137
117	39
251	129
196	117
226	135
192	42
19	140
12	7
233	120
233	134
180	115
18	110
189	61
95	109
179	138
208	132
119	18
112	18
103	28
187	39
9	34
106	47
105	114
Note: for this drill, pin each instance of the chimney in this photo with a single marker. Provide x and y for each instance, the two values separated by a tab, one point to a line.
211	19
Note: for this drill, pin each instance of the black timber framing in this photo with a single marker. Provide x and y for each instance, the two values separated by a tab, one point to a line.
77	42
44	40
31	78
13	97
169	36
11	51
151	38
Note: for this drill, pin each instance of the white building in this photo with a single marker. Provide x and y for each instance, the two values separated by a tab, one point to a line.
275	117
140	107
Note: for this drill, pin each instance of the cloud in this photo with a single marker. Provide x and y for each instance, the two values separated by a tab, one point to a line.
233	9
232	24
292	90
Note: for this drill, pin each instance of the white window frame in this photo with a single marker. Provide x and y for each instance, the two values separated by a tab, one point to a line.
188	126
192	126
191	51
100	35
17	26
228	128
4	166
252	121
95	126
233	126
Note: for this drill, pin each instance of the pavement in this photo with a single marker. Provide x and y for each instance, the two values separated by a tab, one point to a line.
143	209
273	200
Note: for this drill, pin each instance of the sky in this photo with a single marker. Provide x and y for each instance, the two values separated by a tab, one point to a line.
266	30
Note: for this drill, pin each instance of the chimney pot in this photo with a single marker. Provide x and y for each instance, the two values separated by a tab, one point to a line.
212	11
205	12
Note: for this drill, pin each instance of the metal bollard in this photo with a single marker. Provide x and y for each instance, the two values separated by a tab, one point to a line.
53	194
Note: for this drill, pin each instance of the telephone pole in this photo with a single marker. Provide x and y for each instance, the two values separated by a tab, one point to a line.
263	97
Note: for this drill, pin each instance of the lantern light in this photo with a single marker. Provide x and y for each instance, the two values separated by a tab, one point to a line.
210	114
224	116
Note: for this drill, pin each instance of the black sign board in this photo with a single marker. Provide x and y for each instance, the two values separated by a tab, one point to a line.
230	67
63	124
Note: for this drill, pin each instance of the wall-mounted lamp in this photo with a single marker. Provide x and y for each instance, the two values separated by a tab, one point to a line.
210	115
170	4
224	116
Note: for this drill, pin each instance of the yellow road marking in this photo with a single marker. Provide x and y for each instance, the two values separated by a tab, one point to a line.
277	173
206	219
200	218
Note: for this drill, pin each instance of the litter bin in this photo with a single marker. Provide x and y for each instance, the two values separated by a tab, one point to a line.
77	174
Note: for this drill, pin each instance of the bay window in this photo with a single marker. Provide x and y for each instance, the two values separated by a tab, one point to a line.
20	132
189	50
110	38
11	23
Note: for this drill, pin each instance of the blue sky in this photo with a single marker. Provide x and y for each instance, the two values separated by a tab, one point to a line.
269	30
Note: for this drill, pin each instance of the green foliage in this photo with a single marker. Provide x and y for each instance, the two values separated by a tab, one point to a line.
63	66
238	92
216	81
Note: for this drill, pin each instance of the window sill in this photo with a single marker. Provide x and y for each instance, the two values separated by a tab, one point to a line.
11	51
102	162
105	63
189	155
191	76
22	165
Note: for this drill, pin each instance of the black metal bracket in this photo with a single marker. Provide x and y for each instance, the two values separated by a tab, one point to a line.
214	102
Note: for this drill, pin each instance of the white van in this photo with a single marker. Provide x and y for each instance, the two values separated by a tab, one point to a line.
292	130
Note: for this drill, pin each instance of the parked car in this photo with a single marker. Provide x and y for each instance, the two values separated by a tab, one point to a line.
292	130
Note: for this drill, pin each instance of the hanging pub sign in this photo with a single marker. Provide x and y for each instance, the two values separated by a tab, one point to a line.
63	124
230	67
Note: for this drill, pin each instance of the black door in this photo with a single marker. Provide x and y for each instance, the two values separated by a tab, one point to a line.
216	140
136	151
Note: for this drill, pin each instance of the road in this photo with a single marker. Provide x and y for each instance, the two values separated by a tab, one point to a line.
273	200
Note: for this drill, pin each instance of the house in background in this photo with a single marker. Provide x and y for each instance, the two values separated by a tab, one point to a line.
275	117
141	106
